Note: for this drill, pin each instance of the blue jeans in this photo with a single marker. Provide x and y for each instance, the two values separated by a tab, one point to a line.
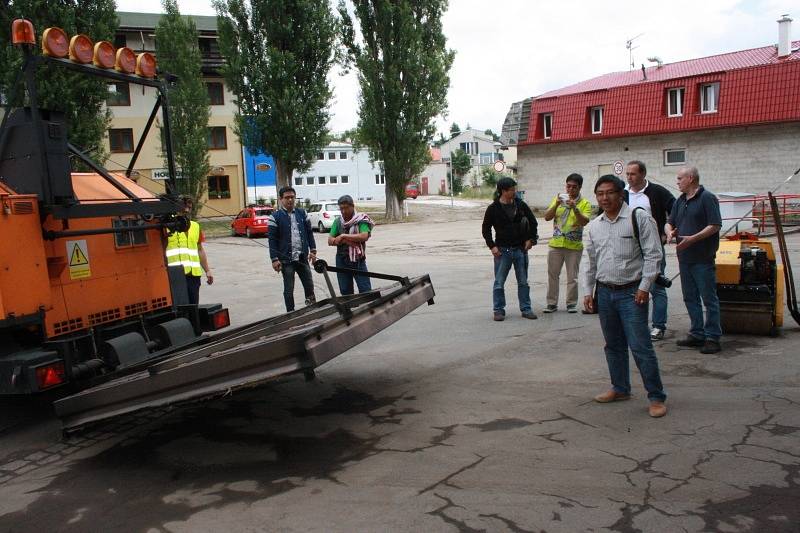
304	273
624	324
659	294
346	280
502	266
699	282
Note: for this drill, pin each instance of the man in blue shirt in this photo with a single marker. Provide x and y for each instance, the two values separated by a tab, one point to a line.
292	246
695	222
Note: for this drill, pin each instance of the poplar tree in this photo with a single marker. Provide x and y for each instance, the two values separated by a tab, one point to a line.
80	97
278	54
178	54
403	69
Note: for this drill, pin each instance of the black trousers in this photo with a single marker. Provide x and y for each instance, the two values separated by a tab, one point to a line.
193	287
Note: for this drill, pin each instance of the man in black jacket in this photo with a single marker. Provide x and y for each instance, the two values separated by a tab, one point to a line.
515	232
658	202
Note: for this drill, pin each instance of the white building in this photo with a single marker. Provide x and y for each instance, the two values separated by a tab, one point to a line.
339	170
481	148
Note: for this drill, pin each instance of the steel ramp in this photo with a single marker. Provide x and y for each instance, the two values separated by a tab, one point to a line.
295	342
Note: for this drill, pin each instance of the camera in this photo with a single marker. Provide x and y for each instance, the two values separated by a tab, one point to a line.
563	197
663	281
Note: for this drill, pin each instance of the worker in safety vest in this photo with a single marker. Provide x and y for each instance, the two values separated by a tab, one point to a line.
186	248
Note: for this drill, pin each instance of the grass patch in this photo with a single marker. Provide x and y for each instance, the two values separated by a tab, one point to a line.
484	192
216	227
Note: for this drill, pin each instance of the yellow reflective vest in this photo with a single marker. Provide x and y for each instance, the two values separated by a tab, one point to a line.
182	249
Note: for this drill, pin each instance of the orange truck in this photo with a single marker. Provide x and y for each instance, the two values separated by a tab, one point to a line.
85	291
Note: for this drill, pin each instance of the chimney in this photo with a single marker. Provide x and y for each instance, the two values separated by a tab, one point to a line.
784	36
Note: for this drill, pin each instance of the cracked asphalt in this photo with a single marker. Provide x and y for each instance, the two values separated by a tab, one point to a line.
446	421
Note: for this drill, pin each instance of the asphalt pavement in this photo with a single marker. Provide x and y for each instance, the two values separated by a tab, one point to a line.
446	421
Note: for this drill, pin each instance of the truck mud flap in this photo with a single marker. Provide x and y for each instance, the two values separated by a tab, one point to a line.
249	355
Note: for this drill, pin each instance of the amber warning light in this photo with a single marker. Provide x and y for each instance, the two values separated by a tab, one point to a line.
22	32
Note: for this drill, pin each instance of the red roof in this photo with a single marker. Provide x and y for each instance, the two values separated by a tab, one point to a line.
682	69
755	87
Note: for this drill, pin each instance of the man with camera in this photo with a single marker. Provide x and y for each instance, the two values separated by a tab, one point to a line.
570	212
623	267
658	202
515	232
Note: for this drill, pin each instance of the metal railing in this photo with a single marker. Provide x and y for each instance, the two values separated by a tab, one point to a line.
760	213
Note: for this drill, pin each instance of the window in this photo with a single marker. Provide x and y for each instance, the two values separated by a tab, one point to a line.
487	158
345	179
709	97
320	156
331	155
470	148
675	156
119	93
129	238
342	155
216	94
298	180
217	139
218	187
380	179
120	140
321	180
547	125
675	102
334	180
310	180
120	40
597	120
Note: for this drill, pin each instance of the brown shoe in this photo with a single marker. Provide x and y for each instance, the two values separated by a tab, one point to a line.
611	396
657	409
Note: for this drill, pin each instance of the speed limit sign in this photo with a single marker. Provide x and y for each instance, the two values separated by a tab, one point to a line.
619	166
499	166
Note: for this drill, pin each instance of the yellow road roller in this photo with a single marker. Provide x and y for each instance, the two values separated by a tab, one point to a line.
750	285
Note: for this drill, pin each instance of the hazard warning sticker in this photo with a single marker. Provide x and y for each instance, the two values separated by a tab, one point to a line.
78	253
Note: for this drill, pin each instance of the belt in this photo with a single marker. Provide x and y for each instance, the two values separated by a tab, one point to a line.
619	287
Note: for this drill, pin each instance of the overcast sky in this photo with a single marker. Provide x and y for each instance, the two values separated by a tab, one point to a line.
508	50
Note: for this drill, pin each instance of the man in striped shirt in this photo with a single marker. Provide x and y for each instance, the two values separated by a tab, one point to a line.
623	267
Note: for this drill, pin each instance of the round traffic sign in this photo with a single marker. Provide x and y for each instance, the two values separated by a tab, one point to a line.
499	166
619	166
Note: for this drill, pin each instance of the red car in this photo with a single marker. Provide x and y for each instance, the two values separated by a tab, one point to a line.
412	191
251	221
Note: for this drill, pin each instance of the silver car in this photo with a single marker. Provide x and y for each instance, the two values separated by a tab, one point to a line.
321	215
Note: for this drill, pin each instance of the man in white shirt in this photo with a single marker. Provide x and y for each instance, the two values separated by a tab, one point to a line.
658	202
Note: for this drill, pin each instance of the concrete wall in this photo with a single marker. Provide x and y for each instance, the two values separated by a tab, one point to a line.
747	159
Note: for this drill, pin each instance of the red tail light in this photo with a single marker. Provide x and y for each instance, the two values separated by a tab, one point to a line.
221	319
326	215
50	375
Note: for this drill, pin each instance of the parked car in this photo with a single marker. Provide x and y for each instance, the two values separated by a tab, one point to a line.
322	215
412	191
251	221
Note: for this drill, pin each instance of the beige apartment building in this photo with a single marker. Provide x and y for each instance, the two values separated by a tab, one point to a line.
131	107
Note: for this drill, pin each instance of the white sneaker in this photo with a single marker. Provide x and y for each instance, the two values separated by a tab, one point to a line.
550	308
656	334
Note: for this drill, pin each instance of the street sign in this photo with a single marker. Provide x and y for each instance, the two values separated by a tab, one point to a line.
163	174
499	166
619	166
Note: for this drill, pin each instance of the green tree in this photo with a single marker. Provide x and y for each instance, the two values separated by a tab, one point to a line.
80	97
178	53
495	137
278	54
403	70
461	163
489	176
454	130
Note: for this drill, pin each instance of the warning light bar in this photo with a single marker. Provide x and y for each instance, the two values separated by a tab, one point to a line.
81	49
